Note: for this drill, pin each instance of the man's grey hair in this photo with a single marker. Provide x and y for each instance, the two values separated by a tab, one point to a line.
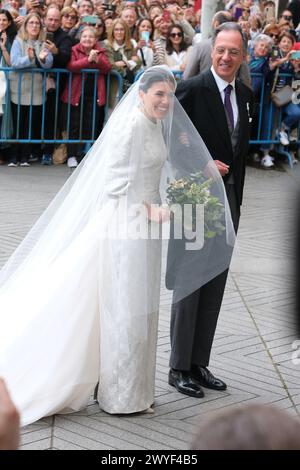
230	26
81	1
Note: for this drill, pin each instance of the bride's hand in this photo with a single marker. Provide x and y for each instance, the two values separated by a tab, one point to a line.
157	214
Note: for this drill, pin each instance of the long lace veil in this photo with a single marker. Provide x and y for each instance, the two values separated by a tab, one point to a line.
113	170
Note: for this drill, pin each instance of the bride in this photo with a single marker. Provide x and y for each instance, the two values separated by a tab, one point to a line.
79	298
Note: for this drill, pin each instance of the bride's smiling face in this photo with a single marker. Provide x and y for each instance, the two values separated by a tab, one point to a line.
158	99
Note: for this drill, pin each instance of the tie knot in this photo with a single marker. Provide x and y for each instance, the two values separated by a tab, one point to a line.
228	89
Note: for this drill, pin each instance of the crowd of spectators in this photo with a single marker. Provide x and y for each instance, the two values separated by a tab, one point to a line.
127	37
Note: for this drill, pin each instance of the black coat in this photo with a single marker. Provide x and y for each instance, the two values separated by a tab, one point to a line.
200	97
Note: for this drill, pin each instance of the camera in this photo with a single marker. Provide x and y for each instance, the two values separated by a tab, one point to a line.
108	7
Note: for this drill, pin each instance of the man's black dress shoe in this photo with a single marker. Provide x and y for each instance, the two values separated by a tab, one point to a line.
184	383
205	378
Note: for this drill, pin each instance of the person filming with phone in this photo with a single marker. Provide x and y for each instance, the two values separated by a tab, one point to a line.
59	43
144	38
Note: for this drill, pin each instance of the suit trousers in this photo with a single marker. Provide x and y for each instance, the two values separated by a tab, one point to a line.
194	318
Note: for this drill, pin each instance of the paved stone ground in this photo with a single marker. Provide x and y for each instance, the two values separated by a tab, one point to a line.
253	345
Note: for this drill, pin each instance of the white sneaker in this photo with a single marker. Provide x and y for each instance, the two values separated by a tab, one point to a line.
72	162
12	164
267	161
24	164
283	138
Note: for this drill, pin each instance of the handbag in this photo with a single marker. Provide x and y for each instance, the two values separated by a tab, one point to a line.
282	96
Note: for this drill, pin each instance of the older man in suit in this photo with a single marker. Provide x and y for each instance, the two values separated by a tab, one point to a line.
220	108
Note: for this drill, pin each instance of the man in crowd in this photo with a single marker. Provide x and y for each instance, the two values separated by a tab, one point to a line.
200	57
59	44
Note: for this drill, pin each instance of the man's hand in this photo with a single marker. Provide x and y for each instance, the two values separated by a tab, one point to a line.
51	47
19	21
9	420
32	4
222	167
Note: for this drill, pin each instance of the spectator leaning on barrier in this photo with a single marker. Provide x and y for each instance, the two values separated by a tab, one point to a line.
88	54
60	46
28	51
290	112
8	32
122	53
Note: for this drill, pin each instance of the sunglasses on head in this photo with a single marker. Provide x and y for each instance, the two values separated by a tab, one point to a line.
173	35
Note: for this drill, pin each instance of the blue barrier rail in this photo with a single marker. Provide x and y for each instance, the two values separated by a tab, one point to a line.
57	76
266	119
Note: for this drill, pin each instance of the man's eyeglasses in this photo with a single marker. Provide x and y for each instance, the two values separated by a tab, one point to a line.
70	17
273	35
231	52
173	35
287	18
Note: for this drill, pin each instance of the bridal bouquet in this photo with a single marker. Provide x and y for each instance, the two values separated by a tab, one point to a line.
194	189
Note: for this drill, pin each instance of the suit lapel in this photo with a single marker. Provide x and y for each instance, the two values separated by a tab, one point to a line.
217	110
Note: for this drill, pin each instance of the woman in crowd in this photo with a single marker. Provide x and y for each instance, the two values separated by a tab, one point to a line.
273	31
279	64
83	112
69	19
8	32
26	89
122	53
177	50
259	67
101	31
144	38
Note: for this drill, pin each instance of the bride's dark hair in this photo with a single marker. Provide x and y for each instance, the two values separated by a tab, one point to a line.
155	75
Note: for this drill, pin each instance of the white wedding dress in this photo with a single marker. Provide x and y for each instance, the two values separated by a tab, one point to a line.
64	325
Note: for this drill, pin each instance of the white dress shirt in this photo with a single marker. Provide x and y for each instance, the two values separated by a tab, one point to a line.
222	84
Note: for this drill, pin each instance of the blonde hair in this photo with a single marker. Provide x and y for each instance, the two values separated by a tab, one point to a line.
127	40
68	10
23	34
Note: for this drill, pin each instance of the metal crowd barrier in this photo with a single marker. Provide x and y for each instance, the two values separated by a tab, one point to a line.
57	75
265	122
